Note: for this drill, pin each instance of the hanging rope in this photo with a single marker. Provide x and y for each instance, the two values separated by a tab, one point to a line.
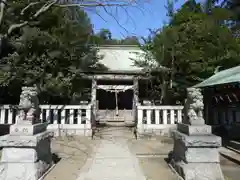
115	88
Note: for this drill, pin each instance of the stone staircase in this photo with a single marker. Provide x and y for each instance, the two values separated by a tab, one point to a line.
114	132
231	151
234	145
110	118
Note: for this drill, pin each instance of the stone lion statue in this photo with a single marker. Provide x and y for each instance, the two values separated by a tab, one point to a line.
29	105
194	106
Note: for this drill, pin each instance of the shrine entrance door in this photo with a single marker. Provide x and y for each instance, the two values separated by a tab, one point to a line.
115	102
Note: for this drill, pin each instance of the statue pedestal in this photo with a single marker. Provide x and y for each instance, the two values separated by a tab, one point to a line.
26	152
27	129
194	129
195	154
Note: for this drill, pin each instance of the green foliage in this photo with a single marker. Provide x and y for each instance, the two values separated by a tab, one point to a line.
192	45
233	6
104	37
52	51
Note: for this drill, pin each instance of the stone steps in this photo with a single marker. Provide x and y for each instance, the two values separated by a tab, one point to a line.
114	131
232	151
231	154
116	123
111	118
234	144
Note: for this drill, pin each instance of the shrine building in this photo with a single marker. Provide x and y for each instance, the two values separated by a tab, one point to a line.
222	100
117	91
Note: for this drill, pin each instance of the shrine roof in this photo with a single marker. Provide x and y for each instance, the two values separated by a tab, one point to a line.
121	57
227	76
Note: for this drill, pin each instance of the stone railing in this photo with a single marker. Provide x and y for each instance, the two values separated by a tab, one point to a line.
158	119
62	119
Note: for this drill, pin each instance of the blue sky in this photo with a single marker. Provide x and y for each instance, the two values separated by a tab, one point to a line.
138	20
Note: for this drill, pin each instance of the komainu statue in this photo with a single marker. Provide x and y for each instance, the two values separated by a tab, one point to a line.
29	105
194	107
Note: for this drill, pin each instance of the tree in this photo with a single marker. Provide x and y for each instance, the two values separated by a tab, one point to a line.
104	37
192	45
51	55
130	40
105	34
46	43
233	6
26	12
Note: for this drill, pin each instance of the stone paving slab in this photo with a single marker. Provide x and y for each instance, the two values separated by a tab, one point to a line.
73	151
231	170
152	154
156	168
112	161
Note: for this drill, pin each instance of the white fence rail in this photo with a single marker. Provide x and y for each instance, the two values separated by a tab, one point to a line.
76	119
68	119
158	119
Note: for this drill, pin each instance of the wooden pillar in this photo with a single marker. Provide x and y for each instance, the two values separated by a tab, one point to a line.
94	98
207	101
230	116
135	97
135	91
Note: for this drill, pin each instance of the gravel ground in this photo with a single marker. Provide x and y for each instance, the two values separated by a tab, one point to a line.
155	167
72	153
152	154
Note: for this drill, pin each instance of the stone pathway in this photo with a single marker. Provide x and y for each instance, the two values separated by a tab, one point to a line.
73	154
115	154
112	161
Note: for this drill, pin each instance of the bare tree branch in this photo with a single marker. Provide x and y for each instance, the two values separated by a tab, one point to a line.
90	5
2	7
28	6
50	3
45	8
117	15
16	26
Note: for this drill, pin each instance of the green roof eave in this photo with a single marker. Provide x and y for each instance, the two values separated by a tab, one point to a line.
227	76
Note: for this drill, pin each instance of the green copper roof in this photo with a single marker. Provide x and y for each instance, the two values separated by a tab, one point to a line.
231	75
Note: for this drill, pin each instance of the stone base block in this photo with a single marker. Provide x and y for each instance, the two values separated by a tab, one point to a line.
27	129
23	171
24	141
196	149
198	171
194	129
25	157
194	155
197	140
19	155
163	130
